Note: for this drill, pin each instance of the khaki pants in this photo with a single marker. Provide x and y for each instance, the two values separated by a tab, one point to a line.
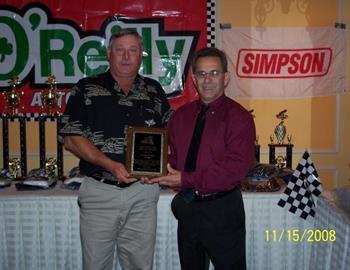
117	217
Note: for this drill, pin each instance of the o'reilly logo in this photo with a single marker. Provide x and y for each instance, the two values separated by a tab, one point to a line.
33	46
283	63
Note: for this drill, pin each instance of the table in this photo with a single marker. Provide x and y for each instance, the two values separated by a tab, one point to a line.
40	230
331	215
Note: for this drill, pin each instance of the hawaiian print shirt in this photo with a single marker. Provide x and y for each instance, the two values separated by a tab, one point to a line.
99	110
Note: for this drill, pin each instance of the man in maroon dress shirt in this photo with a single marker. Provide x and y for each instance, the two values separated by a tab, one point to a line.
209	207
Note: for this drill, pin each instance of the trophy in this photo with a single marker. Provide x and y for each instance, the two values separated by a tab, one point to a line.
280	129
49	97
280	132
13	97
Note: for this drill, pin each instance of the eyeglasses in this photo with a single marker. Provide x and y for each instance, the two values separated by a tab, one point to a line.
212	74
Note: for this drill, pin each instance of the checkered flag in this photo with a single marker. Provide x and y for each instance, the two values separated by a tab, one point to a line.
303	188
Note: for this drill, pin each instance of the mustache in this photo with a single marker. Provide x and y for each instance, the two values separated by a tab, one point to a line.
126	62
209	85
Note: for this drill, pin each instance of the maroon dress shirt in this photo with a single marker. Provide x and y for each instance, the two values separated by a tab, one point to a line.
226	152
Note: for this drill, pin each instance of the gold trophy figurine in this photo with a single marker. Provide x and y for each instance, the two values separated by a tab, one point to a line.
49	97
280	129
15	167
51	166
281	161
13	97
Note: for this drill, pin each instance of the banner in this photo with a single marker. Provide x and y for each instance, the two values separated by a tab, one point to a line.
67	39
286	62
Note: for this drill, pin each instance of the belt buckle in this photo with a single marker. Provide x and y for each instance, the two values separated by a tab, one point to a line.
122	184
115	183
206	195
103	181
111	182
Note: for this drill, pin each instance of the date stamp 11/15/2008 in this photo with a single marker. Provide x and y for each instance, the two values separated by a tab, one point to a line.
297	235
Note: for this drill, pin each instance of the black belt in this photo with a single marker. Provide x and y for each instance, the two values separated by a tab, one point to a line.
113	182
211	196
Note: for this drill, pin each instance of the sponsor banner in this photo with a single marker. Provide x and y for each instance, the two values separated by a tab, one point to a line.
67	39
285	62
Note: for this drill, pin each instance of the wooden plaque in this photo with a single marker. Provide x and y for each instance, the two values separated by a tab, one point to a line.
147	151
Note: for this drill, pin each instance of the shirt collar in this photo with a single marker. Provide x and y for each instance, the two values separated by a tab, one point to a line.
113	84
212	105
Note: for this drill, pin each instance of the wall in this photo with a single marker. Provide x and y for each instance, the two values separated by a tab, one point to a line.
321	124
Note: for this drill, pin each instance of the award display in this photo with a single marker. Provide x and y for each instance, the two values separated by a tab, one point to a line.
147	151
13	111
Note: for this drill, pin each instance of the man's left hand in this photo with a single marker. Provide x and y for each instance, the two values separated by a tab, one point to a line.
172	180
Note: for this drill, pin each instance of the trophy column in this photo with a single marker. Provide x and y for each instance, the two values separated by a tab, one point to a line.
23	145
42	146
50	112
59	150
257	152
257	145
12	111
22	162
5	141
42	143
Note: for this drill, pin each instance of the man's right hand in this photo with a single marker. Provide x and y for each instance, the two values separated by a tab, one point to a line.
84	149
119	172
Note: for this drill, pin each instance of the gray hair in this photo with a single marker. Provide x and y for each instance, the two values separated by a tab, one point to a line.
125	32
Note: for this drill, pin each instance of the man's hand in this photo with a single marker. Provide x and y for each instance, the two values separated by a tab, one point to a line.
172	180
84	149
119	172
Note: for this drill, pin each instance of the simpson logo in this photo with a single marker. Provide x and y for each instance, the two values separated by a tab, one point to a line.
276	64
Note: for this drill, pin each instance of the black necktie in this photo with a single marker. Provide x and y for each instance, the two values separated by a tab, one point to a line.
192	153
191	159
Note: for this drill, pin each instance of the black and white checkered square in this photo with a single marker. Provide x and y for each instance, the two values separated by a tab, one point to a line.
303	188
31	117
211	23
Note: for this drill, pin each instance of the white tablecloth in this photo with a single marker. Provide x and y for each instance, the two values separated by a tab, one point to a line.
40	230
332	216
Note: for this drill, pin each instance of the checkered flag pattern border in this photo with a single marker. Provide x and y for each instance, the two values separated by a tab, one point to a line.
33	117
211	9
303	188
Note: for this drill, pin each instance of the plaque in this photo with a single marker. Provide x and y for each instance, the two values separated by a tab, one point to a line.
147	151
